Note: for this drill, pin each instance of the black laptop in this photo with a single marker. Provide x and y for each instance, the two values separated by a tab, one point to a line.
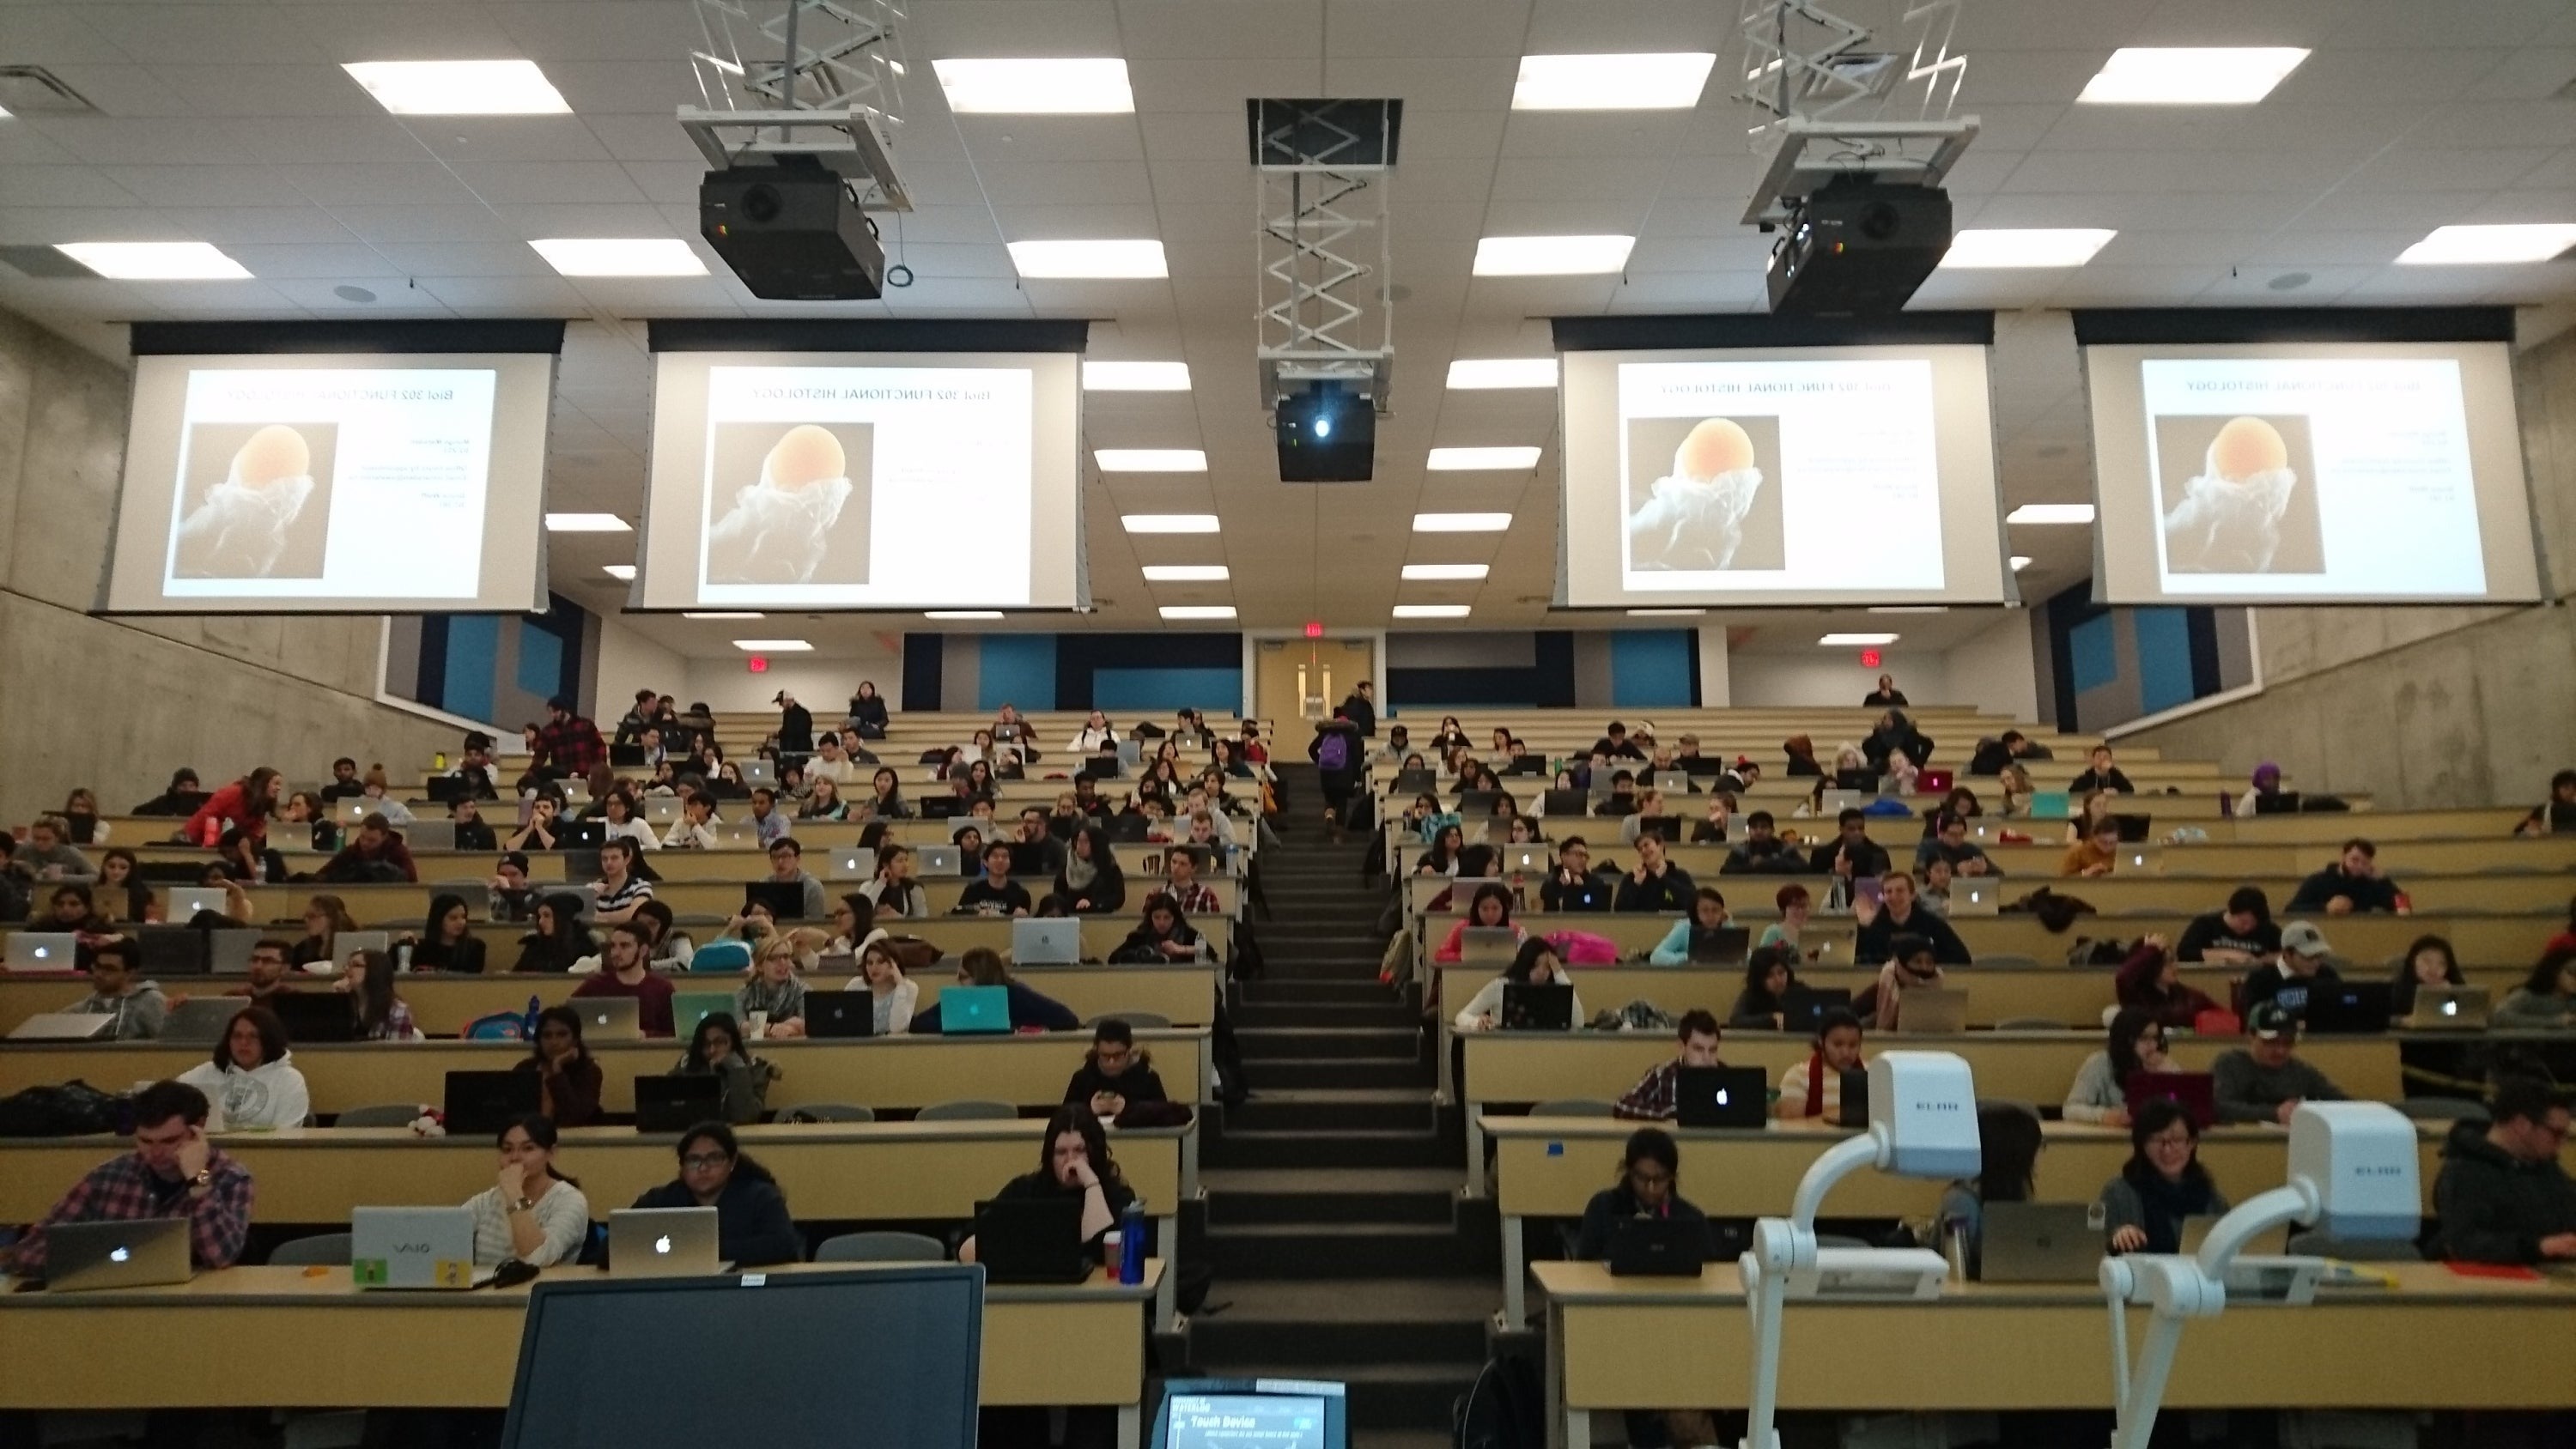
676	1104
1721	1097
316	1016
1803	1009
840	1014
942	807
1525	765
1538	1008
626	757
1592	894
1416	782
1031	860
448	789
1123	829
1031	1240
1477	804
1725	946
784	898
1658	1247
2286	802
2134	828
1565	802
2348	1008
171	951
484	1104
1855	1100
579	834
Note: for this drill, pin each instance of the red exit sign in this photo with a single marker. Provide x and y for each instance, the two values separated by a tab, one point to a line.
1869	659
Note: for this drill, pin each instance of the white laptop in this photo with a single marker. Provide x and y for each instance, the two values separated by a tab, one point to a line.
1056	941
609	1018
935	860
412	1247
350	809
759	772
2141	860
661	809
144	1253
1835	802
1488	946
44	951
186	901
662	1242
63	1026
1527	859
429	835
851	863
1975	895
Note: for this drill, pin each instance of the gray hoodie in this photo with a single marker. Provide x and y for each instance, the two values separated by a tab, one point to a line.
139	1013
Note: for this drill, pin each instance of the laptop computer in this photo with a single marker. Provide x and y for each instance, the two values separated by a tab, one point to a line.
760	771
2348	1007
313	1017
580	834
1975	895
1834	802
1525	765
1492	946
1416	782
429	835
1931	1011
1721	1097
228	952
1538	1008
484	1104
44	951
1124	829
1052	942
1725	946
2041	1242
1935	782
2134	828
662	1242
784	899
200	1020
2195	1091
1476	803
1803	1010
626	757
184	902
1565	802
349	943
139	1254
676	1104
839	1015
1031	1240
2286	802
350	809
1658	1247
941	807
1827	946
661	809
1031	860
448	789
1528	859
2448	1007
170	951
935	860
2051	805
62	1026
413	1247
974	1010
850	863
688	1008
609	1018
2140	860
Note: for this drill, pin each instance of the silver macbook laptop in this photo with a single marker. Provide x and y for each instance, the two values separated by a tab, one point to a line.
43	951
1487	946
852	863
201	1020
662	1242
1835	802
1931	1011
350	809
2455	1007
350	943
760	772
429	835
1527	859
412	1247
935	860
1975	895
661	809
609	1018
62	1026
2042	1242
228	952
185	901
141	1254
1054	942
2141	860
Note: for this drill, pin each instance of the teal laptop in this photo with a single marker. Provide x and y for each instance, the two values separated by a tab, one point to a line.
973	1010
688	1008
2051	805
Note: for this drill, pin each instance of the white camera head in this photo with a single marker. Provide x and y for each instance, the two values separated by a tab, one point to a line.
2356	1160
1923	1114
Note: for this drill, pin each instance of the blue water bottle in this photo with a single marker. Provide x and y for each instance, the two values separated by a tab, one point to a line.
535	1005
1131	1244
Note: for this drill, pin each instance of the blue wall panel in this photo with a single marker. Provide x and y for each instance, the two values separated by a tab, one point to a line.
2164	658
540	662
1650	669
1017	669
473	650
1161	691
2093	653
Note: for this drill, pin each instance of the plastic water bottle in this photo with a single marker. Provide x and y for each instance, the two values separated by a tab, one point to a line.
534	1006
1131	1244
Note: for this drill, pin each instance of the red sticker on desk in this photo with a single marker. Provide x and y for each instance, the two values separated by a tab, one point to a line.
2509	1272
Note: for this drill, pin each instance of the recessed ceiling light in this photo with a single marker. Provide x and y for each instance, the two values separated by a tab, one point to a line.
723	615
610	256
963	614
624	573
1141	258
1431	611
1842	639
459	87
1495	372
155	261
1443	573
1198	611
586	523
1472	460
1150	460
2469	246
2051	513
1461	522
1665	613
2197	75
1169	522
1909	608
1660	81
1551	256
773	646
1136	377
1036	87
2020	561
1185	573
2038	246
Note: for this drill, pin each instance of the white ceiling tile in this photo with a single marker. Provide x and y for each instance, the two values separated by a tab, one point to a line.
1626	181
1603	133
671	183
1080	223
646	30
509	138
397	226
649	87
1066	183
643	138
1217	83
1024	140
499	182
351	139
203	34
1224	135
189	186
271	263
410	183
299	223
1234	29
392	297
467	259
2478	170
139	142
1424	29
1015	28
62	186
265	90
54	36
408	30
46	225
1478	83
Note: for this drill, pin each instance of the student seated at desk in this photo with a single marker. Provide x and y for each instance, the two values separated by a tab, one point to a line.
447	941
1851	854
252	1083
2501	1195
267	978
775	992
531	1213
1650	815
2150	981
626	969
116	991
892	893
1489	909
881	976
559	939
1115	1074
1814	1087
541	831
2303	966
619	891
1571	884
995	893
1165	934
1897	913
1909	964
1655	884
1031	1010
2101	1090
1762	851
173	1172
2095	854
568	1077
46	855
1535	965
325	917
375	855
2161	1184
2544	817
695	829
368	982
1769	975
2100	774
2545	997
1948	842
753	1227
1653	1098
1699	929
1073	1161
1193	896
1794	904
2263	1081
2008	1143
2352	884
2243	933
1088	879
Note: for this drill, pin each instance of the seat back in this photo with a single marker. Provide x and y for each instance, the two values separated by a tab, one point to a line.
968	1109
881	1248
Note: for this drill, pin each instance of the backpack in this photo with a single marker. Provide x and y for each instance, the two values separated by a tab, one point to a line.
1506	1408
497	1026
721	956
1335	753
74	1109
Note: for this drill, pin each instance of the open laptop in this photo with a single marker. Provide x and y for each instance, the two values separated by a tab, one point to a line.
759	771
2134	828
228	952
141	1254
1931	1011
975	1011
1031	1240
1658	1247
676	1104
1538	1008
840	1015
63	1026
2286	802
201	1020
2196	1091
1051	942
2140	860
429	835
1935	782
484	1104
1828	946
1834	802
1721	1097
2042	1242
2347	1007
349	943
935	860
184	902
2440	1008
1979	895
313	1017
413	1247
1527	859
851	863
2051	805
170	951
44	951
609	1018
1726	946
661	809
664	1242
688	1008
1804	1008
785	899
1488	946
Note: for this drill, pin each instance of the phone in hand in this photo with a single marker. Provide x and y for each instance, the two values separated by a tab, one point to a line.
1869	889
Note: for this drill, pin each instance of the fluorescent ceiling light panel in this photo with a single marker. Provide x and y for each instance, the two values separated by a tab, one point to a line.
612	256
586	523
723	614
1198	611
1461	522
1036	87
2020	561
1467	373
1050	259
1473	460
1185	573
1654	81
623	573
1169	522
1136	377
773	646
155	261
1551	256
1666	613
2051	513
2472	246
2198	75
1431	611
1150	460
459	87
1443	573
963	614
2039	246
1831	640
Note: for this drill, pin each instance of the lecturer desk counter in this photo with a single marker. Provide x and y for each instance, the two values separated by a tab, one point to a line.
442	1005
1077	1344
884	1073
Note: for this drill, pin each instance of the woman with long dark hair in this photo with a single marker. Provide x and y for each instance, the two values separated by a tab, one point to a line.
531	1212
447	940
2008	1143
568	1077
2101	1090
1073	1162
1090	882
1536	964
716	1049
381	1015
559	939
753	1227
2161	1184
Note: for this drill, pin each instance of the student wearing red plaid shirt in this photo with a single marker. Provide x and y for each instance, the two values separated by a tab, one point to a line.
1653	1098
1192	896
173	1172
568	745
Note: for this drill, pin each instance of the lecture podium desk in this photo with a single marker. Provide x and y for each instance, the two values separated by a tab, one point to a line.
1042	1345
2470	1343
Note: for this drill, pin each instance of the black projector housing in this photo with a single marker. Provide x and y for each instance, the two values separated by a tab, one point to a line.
1858	247
792	233
1326	435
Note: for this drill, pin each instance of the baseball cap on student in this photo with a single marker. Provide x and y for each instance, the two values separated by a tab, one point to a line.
2271	1021
2304	938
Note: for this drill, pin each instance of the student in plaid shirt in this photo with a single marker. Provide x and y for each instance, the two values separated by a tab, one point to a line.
1652	1099
569	745
1193	896
173	1172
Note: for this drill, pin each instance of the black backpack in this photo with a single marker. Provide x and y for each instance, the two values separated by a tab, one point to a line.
1506	1408
74	1109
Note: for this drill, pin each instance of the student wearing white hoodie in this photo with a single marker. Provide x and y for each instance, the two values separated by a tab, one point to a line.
252	1083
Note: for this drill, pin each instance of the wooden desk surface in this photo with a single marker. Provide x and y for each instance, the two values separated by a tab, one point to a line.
1082	1344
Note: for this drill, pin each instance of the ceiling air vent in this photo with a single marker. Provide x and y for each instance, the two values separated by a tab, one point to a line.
32	90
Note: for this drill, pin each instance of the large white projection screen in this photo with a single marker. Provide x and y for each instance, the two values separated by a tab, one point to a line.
863	481
2266	473
341	483
1782	476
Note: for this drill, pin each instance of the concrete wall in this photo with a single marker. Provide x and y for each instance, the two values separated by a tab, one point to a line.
823	683
118	703
623	661
1834	677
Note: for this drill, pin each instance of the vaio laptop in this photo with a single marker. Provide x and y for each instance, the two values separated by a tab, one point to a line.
1538	1008
1931	1011
1488	946
664	1242
1031	1240
413	1247
1658	1248
609	1018
975	1010
676	1104
1052	942
2042	1242
141	1254
837	1015
1721	1097
2447	1007
2196	1091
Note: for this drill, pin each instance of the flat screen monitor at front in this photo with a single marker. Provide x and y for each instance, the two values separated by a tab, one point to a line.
1262	1414
2349	473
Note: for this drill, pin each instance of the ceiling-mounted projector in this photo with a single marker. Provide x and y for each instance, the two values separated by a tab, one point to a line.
1326	434
792	232
1858	246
